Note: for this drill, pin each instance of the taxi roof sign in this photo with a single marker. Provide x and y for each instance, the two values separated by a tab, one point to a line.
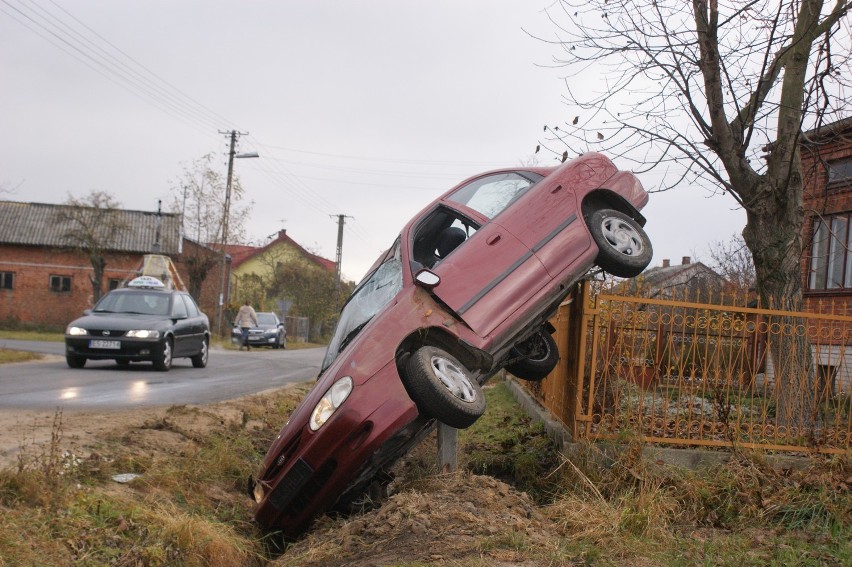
146	281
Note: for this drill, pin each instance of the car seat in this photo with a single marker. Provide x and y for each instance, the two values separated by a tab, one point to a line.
448	240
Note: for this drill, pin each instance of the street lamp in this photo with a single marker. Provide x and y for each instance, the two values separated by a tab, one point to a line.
225	217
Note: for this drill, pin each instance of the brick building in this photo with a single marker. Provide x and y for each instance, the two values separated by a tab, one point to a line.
827	232
46	282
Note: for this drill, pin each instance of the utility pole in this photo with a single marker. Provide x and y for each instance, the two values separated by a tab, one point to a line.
225	217
341	220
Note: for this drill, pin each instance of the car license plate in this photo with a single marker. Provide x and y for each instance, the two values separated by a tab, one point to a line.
98	343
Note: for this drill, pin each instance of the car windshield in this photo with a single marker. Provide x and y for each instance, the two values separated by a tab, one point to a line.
371	295
490	195
138	302
266	319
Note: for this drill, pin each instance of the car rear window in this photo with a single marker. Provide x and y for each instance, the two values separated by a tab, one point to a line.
490	195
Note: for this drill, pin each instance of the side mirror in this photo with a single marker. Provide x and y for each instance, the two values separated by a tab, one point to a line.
427	279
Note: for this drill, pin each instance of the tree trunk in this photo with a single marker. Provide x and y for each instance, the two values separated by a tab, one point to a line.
774	236
98	266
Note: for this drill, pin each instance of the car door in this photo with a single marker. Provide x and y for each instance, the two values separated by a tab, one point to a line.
487	276
547	218
181	326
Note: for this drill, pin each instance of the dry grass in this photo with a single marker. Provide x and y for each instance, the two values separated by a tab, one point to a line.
188	506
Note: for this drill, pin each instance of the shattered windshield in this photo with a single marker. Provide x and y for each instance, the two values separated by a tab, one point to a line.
371	295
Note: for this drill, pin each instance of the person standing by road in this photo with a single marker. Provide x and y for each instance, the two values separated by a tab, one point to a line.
246	319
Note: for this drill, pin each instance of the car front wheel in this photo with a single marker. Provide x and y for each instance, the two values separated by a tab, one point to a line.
200	359
164	361
539	355
624	250
443	388
75	361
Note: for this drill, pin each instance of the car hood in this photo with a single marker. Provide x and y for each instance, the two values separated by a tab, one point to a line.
120	321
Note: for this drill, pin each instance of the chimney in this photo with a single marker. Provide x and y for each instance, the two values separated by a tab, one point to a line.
666	263
686	260
282	233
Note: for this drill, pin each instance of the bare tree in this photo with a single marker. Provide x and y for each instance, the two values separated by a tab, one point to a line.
91	224
732	260
199	195
714	94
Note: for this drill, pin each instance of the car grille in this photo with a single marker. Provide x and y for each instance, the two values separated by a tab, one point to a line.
290	484
105	333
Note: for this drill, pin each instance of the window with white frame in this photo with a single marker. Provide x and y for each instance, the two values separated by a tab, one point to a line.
831	261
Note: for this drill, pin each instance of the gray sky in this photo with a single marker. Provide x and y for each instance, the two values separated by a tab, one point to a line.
369	109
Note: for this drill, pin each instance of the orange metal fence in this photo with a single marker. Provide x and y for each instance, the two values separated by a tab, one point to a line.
689	373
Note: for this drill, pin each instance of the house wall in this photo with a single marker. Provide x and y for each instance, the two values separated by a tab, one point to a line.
821	200
31	303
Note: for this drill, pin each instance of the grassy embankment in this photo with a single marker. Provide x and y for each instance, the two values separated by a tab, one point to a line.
188	506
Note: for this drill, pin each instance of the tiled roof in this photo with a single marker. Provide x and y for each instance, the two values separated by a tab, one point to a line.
39	224
241	253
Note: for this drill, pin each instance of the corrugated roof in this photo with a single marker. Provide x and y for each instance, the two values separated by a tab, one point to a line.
40	224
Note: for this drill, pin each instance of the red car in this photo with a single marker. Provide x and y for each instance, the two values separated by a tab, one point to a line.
465	290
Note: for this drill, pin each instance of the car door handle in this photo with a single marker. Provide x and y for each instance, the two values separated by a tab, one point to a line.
556	189
493	239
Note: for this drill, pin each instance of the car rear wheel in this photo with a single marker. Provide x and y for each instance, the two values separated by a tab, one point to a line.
624	250
443	388
164	361
540	355
200	359
75	361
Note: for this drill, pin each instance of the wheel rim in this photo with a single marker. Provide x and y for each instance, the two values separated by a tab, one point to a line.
622	237
205	352
167	353
453	379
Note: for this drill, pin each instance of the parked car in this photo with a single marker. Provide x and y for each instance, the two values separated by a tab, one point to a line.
269	332
465	291
145	321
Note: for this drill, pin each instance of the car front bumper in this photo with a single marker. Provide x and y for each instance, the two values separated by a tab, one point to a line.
307	475
114	349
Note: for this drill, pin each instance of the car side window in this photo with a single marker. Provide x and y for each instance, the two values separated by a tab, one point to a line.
490	195
179	308
439	235
191	307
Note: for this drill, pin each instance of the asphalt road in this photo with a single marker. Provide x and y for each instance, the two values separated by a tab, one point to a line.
229	374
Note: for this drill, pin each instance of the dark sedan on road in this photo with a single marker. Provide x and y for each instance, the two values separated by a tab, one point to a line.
269	332
465	291
144	321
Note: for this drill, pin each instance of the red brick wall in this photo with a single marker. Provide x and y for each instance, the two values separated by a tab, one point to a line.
820	200
31	303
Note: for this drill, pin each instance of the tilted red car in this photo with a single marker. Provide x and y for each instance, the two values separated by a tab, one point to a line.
465	290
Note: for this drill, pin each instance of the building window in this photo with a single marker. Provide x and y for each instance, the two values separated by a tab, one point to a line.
60	283
840	170
113	284
831	254
6	280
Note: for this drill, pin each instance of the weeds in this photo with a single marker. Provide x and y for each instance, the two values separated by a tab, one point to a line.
598	505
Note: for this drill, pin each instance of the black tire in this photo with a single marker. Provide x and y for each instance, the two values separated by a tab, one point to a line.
200	359
540	357
624	248
75	361
164	360
277	344
443	388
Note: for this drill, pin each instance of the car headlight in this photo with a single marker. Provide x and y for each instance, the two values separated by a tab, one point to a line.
333	399
142	334
76	331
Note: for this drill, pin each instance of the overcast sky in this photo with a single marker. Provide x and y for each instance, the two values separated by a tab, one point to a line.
368	109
